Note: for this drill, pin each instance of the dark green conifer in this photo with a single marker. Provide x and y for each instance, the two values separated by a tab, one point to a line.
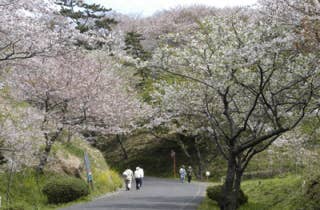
86	16
134	47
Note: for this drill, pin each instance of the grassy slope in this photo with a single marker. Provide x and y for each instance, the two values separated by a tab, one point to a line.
270	194
26	188
105	179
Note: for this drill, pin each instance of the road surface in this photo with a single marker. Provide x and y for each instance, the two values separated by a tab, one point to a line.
155	194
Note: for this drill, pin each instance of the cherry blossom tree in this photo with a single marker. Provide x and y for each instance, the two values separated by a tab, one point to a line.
19	131
303	15
72	89
27	29
30	28
180	115
19	136
78	91
245	76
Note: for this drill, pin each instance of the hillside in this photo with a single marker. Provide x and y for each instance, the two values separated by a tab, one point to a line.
25	191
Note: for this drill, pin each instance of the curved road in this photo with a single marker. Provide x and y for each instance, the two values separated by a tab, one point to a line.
155	194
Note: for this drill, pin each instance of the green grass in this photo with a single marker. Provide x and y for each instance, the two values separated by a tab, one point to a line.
270	194
25	191
208	204
277	193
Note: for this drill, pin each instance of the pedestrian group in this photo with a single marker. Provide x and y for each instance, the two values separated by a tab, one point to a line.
138	175
185	173
129	175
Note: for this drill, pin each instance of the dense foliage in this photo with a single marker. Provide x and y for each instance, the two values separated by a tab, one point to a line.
312	191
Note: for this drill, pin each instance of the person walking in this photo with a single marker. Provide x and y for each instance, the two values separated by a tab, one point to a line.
142	176
128	176
182	172
189	173
138	177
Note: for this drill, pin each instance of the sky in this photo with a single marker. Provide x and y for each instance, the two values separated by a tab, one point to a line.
148	7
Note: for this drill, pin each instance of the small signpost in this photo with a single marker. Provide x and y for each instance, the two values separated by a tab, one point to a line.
88	170
207	174
173	156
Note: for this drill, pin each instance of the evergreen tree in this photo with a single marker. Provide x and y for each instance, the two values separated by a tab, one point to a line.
86	16
134	47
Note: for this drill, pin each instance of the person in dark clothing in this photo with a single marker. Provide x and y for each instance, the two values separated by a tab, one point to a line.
138	174
189	173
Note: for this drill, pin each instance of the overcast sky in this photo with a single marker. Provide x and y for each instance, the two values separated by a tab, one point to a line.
148	7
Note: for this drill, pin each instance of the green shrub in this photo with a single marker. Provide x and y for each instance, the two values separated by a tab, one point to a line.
313	190
107	181
215	193
14	207
65	189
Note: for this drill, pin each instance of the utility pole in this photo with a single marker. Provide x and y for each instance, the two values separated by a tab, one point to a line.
173	156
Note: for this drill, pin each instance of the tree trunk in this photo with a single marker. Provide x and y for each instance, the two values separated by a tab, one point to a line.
237	183
182	145
69	135
44	156
232	185
200	162
229	201
123	149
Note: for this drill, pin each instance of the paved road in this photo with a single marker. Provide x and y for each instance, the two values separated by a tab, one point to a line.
156	194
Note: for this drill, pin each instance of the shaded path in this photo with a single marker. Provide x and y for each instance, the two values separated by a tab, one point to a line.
156	194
